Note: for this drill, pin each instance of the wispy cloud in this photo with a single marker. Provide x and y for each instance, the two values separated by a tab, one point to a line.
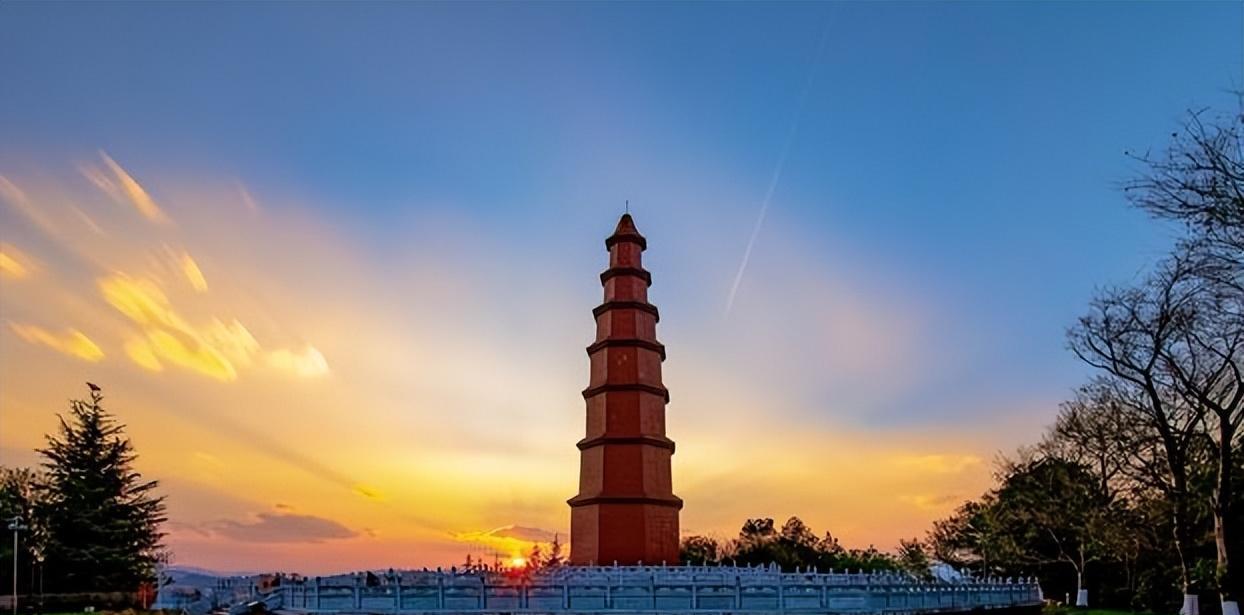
282	527
165	337
217	350
71	342
24	205
233	340
247	200
929	502
192	272
117	183
14	264
307	363
87	220
937	463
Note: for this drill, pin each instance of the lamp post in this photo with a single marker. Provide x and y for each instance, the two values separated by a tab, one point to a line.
16	525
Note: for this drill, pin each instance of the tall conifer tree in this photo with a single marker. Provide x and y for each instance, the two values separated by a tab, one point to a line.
103	519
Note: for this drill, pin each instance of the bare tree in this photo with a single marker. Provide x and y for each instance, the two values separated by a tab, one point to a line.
1205	362
1101	429
1199	180
1127	334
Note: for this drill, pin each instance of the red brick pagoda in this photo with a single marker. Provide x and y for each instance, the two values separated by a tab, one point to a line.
626	510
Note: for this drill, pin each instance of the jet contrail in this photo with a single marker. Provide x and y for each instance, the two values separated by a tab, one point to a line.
777	171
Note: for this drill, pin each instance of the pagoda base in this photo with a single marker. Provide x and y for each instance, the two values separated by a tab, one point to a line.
628	531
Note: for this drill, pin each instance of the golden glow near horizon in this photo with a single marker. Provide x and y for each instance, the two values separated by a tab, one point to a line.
308	408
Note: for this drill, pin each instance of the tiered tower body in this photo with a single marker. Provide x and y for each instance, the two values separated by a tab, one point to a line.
626	510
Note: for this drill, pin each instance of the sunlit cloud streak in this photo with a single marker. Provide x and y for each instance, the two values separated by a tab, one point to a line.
71	342
87	220
14	264
166	337
216	350
307	363
937	464
937	503
192	272
17	198
117	183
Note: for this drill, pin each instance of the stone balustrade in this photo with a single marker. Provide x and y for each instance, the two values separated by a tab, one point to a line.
649	589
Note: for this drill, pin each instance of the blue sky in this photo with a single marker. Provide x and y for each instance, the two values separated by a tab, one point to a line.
948	202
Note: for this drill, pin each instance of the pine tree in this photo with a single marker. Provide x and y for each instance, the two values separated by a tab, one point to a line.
103	521
555	558
535	559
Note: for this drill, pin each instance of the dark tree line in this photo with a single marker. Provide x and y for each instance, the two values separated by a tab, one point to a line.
794	546
93	522
1135	489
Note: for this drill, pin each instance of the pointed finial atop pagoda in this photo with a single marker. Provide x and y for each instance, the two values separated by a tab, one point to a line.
626	231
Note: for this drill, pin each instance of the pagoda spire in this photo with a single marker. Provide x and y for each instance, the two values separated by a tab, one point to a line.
626	510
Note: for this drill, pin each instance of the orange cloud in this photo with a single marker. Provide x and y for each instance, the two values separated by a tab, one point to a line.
86	220
72	342
141	353
18	199
140	300
932	502
13	263
216	350
166	336
234	340
309	363
187	352
937	464
193	273
123	188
